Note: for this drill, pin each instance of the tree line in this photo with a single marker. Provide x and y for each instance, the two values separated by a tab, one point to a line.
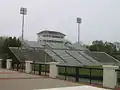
101	46
5	43
107	47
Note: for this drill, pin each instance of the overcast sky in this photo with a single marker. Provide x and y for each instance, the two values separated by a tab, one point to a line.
100	18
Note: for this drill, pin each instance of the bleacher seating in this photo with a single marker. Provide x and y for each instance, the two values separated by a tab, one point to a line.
102	57
69	60
24	54
57	46
55	56
66	54
79	47
83	59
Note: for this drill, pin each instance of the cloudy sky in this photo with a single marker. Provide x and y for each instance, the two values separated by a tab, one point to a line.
100	18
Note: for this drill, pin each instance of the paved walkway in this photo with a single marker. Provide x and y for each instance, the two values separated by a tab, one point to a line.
85	87
12	80
7	74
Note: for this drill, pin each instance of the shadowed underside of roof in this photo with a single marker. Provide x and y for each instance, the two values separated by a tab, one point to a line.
50	32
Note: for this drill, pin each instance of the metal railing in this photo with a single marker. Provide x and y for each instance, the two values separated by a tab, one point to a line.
91	75
81	74
19	66
40	69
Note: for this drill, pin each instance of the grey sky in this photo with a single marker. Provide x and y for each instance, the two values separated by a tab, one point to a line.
100	18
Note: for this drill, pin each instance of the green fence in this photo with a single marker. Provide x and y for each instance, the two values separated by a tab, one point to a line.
41	69
91	75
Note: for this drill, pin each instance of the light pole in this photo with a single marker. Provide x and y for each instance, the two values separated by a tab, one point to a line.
23	11
79	22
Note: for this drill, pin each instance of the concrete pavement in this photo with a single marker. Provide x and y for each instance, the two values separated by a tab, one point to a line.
12	80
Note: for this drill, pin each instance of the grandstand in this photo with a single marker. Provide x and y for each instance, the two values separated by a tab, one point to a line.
33	55
64	52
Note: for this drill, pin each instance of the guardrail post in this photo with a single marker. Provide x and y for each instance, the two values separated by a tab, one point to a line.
109	76
53	70
9	61
28	67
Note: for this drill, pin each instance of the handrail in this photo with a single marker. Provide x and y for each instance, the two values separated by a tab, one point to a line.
82	67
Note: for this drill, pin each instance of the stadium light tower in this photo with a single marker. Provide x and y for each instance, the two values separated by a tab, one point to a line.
79	22
23	11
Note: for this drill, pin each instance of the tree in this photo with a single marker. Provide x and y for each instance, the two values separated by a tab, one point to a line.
10	42
101	46
2	40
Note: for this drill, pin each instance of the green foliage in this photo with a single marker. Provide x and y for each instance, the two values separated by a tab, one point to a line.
101	46
2	40
106	47
5	43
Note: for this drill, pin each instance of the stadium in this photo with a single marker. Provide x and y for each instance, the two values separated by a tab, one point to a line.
51	46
